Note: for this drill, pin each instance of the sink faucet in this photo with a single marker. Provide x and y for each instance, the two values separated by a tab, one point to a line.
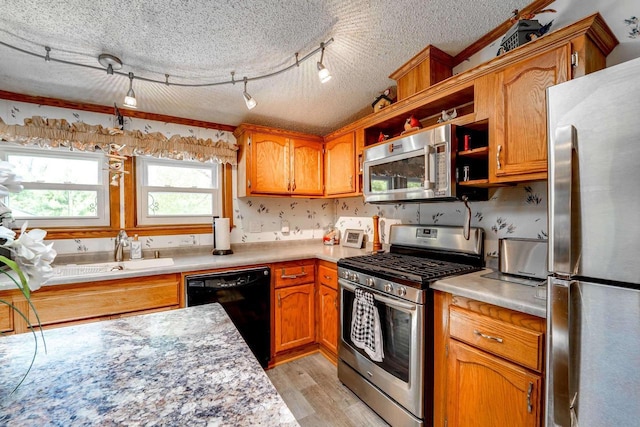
122	240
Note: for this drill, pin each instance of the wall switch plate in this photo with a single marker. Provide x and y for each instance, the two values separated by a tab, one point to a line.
284	226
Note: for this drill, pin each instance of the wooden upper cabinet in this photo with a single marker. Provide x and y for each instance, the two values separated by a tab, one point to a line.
306	167
340	165
520	147
278	162
426	68
270	164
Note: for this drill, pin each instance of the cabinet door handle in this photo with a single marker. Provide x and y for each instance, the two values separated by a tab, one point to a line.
327	277
294	185
498	156
489	337
289	186
529	392
335	302
279	300
292	276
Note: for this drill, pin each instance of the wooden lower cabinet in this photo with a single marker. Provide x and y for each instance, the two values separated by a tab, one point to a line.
328	309
488	364
64	305
487	391
328	319
6	315
294	316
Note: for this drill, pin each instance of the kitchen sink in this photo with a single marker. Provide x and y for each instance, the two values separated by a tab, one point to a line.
108	267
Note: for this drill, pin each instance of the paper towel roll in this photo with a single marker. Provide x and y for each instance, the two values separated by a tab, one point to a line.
222	233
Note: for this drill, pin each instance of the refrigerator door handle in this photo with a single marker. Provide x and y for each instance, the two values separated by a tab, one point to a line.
560	185
559	402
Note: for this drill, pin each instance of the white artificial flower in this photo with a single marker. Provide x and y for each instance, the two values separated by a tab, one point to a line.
7	234
31	254
9	181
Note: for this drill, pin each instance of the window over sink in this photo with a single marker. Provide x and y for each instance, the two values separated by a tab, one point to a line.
176	191
61	187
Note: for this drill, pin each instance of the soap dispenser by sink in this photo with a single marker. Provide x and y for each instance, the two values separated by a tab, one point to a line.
135	248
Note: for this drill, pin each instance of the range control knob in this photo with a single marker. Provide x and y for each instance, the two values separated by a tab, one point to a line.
345	274
354	278
402	291
388	287
370	282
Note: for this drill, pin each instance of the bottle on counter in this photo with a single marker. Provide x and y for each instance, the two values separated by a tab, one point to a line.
136	248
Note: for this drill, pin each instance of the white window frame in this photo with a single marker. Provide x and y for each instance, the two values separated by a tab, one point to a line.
102	217
143	190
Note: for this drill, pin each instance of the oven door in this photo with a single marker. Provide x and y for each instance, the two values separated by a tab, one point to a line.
400	375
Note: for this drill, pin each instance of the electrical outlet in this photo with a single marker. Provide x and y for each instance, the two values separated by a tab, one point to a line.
255	227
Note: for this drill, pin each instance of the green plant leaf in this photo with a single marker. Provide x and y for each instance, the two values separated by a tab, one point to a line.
23	285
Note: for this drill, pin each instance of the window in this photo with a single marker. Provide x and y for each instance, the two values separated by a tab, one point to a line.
61	187
176	191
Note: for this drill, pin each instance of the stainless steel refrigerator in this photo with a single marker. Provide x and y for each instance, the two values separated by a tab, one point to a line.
593	292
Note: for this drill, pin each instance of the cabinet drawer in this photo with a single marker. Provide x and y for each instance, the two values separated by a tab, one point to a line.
515	343
293	274
328	277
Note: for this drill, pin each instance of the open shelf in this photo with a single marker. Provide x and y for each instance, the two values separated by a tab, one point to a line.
475	153
428	115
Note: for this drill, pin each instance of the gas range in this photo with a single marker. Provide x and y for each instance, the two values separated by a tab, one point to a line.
418	255
385	353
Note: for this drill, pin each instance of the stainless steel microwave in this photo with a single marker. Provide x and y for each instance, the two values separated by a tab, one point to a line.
417	167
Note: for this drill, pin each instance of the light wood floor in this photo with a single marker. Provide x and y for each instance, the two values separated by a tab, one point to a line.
311	389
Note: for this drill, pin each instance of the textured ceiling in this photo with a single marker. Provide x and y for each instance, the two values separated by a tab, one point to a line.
204	41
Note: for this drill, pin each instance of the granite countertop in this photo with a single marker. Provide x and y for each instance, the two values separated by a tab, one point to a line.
523	298
243	255
182	367
504	294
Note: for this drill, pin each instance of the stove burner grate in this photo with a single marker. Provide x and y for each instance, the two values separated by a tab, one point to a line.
408	267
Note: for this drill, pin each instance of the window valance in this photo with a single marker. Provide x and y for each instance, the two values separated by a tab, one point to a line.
84	137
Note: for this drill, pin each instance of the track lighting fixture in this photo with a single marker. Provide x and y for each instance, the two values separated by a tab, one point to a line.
113	64
251	103
323	74
110	62
130	99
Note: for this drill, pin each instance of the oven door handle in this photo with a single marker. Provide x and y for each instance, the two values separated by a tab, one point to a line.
389	301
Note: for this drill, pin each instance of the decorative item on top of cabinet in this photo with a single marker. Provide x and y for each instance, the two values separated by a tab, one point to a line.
294	311
495	366
383	100
278	162
340	165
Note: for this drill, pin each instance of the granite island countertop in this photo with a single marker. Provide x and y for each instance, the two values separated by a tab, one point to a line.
181	367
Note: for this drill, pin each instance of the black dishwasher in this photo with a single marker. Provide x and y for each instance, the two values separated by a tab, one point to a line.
245	296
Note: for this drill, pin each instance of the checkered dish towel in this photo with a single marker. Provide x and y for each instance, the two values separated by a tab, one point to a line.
366	332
